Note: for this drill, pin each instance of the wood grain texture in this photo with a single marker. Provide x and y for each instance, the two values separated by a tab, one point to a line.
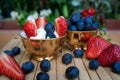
57	71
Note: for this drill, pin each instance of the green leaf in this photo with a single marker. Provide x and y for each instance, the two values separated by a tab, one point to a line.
65	10
57	13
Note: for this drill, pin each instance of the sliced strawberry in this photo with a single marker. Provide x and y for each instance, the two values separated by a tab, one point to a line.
41	22
61	25
30	29
95	46
10	68
109	56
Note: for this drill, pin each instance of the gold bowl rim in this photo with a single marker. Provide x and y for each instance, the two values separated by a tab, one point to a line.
25	37
82	31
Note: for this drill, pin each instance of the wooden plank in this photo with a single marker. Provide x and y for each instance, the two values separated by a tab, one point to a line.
83	72
112	74
60	68
52	72
103	74
12	43
37	70
93	75
72	63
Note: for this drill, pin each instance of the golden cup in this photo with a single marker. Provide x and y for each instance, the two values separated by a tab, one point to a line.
42	48
78	39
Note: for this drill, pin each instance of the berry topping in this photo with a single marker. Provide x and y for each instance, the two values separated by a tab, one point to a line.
61	25
78	53
72	28
116	67
67	58
75	17
41	22
80	25
16	50
50	35
72	72
95	46
28	67
42	76
110	55
93	64
10	53
45	65
49	27
30	28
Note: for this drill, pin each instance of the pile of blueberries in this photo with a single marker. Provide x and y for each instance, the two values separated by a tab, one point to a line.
78	23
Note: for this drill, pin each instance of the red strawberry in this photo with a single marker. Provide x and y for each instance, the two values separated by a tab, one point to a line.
41	22
95	46
61	25
110	55
30	29
88	12
10	68
85	36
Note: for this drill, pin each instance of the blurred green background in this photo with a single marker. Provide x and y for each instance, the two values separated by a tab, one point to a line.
107	8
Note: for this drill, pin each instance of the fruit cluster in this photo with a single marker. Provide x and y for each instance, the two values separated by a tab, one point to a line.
79	22
31	27
103	53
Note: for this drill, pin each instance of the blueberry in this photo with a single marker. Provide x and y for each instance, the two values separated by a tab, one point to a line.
67	58
28	67
95	25
10	53
93	64
78	53
72	72
116	67
75	17
45	65
42	76
50	35
16	50
89	20
69	22
49	27
72	28
80	25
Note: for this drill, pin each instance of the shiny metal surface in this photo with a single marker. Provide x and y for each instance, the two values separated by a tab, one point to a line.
43	48
78	39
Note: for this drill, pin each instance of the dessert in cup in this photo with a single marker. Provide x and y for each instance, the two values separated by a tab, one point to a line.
43	39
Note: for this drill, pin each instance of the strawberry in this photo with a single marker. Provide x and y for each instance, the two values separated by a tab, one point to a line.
86	36
88	12
61	25
95	46
109	56
41	22
30	29
10	68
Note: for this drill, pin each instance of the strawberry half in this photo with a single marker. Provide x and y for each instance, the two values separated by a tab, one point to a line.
61	25
30	29
95	46
10	68
41	22
109	56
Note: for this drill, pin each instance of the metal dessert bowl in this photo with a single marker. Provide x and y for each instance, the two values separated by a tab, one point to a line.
78	39
42	48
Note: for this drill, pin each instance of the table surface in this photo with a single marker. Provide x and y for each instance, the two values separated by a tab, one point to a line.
9	40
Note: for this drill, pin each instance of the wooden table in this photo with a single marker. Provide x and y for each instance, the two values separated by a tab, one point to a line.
57	71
